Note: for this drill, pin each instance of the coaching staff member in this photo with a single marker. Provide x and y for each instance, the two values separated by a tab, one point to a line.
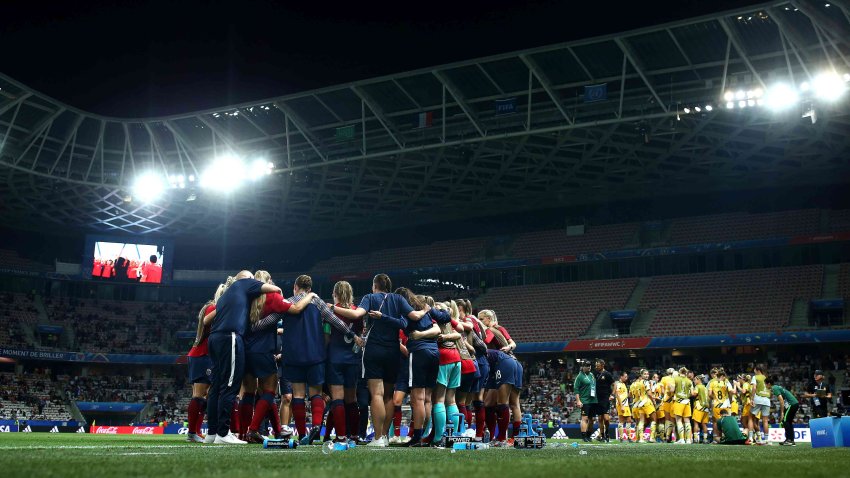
820	394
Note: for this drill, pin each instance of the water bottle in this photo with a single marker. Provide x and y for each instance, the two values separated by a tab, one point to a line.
282	444
329	447
470	446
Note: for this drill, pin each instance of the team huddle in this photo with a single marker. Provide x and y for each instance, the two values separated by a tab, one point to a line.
350	361
682	403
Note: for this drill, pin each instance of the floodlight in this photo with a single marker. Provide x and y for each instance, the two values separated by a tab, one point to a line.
781	96
225	174
740	95
697	109
729	96
828	86
742	104
148	187
708	107
259	168
730	105
686	110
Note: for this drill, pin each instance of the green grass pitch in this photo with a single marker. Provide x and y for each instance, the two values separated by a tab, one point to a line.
71	455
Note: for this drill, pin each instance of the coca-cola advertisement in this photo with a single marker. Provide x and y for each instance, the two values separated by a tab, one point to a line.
115	430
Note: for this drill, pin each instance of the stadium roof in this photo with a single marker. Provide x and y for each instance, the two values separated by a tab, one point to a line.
510	132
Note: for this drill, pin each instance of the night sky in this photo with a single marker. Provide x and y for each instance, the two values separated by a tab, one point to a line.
135	58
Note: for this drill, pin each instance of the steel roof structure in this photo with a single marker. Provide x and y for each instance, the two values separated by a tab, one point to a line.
510	132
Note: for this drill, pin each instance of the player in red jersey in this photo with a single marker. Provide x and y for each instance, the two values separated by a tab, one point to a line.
260	366
470	373
200	368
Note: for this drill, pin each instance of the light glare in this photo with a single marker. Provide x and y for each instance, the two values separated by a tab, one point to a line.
225	174
828	86
148	187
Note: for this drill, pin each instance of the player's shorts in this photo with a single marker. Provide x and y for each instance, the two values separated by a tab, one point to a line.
466	382
715	412
503	373
345	374
284	386
449	375
402	382
748	410
200	369
380	363
422	368
260	365
759	411
624	412
667	408
484	374
519	372
602	408
313	375
733	410
646	409
589	410
659	412
682	409
700	416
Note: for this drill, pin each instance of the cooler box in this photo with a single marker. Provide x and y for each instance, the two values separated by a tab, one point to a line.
826	432
844	429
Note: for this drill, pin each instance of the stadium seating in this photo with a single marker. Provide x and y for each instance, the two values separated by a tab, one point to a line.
844	281
125	326
457	251
554	312
16	311
726	227
839	220
13	261
728	302
742	226
557	242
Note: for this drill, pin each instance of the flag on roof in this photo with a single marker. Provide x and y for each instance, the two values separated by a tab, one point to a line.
424	120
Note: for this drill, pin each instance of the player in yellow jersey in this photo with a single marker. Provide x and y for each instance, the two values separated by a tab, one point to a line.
710	387
624	411
681	404
744	391
642	406
760	394
720	395
667	387
701	409
655	393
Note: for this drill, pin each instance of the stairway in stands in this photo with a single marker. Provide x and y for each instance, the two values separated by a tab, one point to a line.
602	325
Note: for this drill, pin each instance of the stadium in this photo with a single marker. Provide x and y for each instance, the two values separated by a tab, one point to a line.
576	218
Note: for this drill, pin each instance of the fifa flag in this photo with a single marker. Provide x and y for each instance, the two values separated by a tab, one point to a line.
424	120
595	93
344	133
505	107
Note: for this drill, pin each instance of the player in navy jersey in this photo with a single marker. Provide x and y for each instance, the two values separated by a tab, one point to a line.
423	365
503	383
381	352
498	338
227	351
402	387
260	365
342	369
304	356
